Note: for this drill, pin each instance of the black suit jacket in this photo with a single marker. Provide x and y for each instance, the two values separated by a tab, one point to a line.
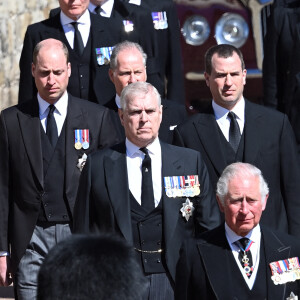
203	274
173	115
21	171
281	65
167	45
269	145
100	33
103	198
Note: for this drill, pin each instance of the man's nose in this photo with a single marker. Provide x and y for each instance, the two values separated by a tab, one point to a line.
244	207
228	79
51	78
132	78
144	116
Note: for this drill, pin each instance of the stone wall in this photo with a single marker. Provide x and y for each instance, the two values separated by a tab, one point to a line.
15	16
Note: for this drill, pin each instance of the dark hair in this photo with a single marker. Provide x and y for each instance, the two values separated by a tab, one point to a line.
40	45
91	267
222	50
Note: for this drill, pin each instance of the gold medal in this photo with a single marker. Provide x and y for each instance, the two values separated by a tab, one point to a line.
197	190
78	146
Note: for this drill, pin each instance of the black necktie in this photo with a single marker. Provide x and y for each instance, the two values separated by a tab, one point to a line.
147	195
98	9
245	256
78	43
51	128
234	132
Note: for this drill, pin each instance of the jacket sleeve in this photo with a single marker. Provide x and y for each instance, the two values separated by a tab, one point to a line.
27	88
207	212
4	186
290	174
271	65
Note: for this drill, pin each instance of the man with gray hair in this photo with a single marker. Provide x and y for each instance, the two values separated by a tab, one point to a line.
240	259
121	190
127	65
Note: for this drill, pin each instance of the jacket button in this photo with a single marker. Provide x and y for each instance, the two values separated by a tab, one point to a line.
46	204
158	261
145	260
65	216
49	216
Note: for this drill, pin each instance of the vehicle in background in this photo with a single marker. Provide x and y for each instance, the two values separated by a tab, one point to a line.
205	23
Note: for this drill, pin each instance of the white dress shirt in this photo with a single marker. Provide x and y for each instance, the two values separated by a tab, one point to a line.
136	2
221	115
255	236
134	159
60	111
118	101
106	8
84	24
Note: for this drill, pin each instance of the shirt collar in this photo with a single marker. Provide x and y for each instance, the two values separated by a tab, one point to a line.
118	101
254	235
132	149
239	110
107	7
136	2
84	19
61	105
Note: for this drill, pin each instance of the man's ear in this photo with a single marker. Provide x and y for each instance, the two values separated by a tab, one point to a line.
121	116
111	75
206	76
221	207
32	69
264	204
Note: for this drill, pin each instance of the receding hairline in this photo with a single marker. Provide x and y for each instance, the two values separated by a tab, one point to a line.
51	44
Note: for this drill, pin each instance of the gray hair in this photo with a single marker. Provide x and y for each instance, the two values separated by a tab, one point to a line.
240	170
126	45
138	89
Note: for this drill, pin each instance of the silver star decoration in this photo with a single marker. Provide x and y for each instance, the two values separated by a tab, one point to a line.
81	162
187	209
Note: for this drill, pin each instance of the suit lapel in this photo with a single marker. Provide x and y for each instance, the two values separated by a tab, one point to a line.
215	257
76	119
275	250
30	127
115	169
55	30
171	166
253	125
207	129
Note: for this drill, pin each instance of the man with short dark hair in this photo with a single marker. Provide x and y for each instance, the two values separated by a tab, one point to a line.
44	144
91	267
153	194
240	259
233	129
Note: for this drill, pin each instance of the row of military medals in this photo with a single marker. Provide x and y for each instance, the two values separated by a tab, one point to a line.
286	270
182	186
82	139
